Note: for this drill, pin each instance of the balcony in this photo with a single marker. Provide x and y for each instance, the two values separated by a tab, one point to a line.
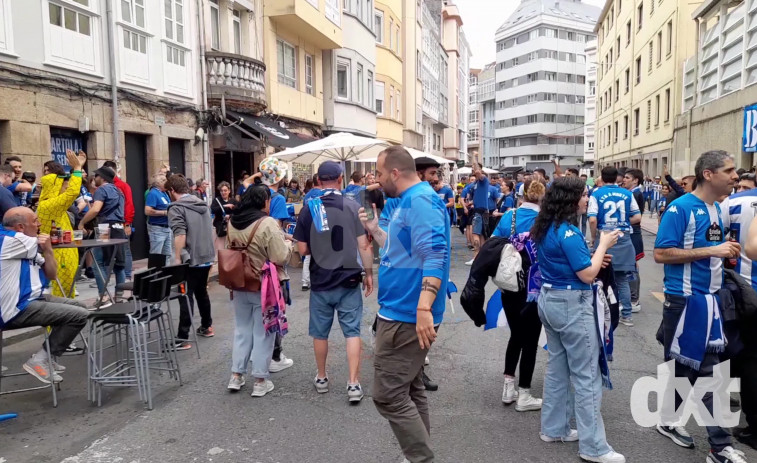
319	25
239	79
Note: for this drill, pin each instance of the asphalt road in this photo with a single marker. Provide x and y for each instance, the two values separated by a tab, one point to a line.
200	421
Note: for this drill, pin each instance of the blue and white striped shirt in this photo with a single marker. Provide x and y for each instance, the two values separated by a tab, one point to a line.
738	213
22	277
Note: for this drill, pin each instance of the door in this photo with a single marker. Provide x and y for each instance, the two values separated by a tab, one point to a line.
136	176
222	169
176	155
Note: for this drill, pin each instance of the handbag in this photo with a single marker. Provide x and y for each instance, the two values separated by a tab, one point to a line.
235	268
223	228
510	264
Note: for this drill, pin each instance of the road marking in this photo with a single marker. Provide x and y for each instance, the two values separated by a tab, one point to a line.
660	296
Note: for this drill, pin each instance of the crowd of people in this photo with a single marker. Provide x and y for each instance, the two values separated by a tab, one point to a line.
574	234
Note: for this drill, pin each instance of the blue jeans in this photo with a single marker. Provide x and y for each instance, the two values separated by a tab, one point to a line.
653	208
129	260
102	262
161	241
572	340
250	337
624	293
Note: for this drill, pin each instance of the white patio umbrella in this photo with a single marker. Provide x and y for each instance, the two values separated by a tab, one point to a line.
468	171
415	154
337	147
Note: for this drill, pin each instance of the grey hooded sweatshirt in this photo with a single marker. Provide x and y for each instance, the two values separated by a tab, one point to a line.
190	216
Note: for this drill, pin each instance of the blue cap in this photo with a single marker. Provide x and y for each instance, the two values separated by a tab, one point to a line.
329	170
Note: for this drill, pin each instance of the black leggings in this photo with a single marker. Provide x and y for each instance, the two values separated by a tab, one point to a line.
525	328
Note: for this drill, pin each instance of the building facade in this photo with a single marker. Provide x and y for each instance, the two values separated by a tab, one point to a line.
474	116
540	79
488	146
434	79
718	100
389	74
590	108
350	74
641	49
458	52
412	112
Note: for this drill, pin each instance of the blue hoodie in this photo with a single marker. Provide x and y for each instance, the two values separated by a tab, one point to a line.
417	246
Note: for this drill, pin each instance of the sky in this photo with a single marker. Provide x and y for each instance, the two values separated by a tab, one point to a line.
482	18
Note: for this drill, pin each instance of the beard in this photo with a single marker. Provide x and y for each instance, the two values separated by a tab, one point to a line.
390	189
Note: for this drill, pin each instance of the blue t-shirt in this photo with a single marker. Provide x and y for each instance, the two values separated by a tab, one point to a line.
241	190
278	208
417	246
738	214
561	254
7	201
113	203
613	206
494	194
507	203
524	220
690	223
17	195
480	191
445	193
467	191
353	192
86	196
517	188
159	201
313	193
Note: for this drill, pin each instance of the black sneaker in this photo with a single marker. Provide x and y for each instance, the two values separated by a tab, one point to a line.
746	436
89	272
305	287
208	332
182	345
430	385
677	434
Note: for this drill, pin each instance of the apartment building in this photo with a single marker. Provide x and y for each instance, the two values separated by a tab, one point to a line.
718	87
590	107
412	106
540	83
488	145
389	74
434	79
641	49
350	73
458	52
474	115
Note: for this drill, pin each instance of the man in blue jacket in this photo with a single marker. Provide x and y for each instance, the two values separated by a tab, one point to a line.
413	275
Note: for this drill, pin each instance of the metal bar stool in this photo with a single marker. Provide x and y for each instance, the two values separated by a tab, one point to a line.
54	387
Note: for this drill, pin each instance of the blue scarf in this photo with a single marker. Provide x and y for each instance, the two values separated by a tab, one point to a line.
533	284
602	323
699	330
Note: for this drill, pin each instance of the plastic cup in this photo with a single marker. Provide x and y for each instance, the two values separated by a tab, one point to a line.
103	232
78	236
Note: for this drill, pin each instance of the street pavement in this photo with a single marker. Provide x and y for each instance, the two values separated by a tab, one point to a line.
202	422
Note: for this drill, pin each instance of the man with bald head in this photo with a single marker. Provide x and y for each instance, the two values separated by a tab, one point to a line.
27	265
414	234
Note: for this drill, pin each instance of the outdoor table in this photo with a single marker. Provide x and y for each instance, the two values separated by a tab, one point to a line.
88	246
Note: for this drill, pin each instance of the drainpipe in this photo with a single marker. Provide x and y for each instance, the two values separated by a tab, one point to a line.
690	115
203	87
113	82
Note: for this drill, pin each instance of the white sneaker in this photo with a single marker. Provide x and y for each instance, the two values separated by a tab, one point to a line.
470	262
261	389
727	455
609	457
354	392
635	307
527	402
236	382
509	393
426	362
58	367
571	437
282	364
321	384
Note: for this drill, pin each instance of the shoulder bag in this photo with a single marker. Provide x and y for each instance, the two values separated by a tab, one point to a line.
235	268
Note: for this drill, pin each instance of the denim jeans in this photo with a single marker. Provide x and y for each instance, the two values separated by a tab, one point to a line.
624	293
102	256
653	208
128	257
250	338
719	438
572	340
635	285
161	241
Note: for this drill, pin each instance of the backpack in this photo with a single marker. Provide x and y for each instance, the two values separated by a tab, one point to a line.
510	265
235	268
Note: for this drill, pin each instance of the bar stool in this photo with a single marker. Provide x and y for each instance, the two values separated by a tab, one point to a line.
54	387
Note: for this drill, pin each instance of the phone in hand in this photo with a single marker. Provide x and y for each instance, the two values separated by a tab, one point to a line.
367	204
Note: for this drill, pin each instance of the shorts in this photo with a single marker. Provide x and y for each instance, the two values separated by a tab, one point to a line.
478	223
348	304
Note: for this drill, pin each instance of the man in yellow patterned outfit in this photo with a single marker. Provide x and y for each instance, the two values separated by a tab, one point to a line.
58	194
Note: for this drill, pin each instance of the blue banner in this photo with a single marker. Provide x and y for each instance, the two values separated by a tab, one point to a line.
750	129
59	143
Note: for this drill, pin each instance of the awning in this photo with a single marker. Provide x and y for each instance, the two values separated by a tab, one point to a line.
274	134
512	169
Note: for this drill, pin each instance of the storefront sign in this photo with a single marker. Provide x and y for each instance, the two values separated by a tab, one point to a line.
750	129
60	142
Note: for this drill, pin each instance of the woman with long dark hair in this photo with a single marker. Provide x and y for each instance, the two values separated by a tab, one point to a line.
566	309
522	315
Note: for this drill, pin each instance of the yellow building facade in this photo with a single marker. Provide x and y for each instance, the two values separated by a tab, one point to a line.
389	74
641	49
295	34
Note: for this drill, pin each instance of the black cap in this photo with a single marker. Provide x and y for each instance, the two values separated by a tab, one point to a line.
106	173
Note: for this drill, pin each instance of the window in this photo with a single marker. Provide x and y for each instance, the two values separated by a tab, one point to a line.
649	114
628	33
580	99
659	47
237	25
533	77
625	127
359	83
657	111
215	25
378	25
670	37
531	99
552	76
636	121
309	84
70	19
399	105
380	98
615	138
572	35
580	79
628	80
286	63
391	101
667	105
174	17
640	15
617	89
550	33
397	41
391	28
514	121
333	12
342	80
532	119
638	70
592	87
550	96
550	118
138	42
609	99
133	12
617	48
651	7
370	87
